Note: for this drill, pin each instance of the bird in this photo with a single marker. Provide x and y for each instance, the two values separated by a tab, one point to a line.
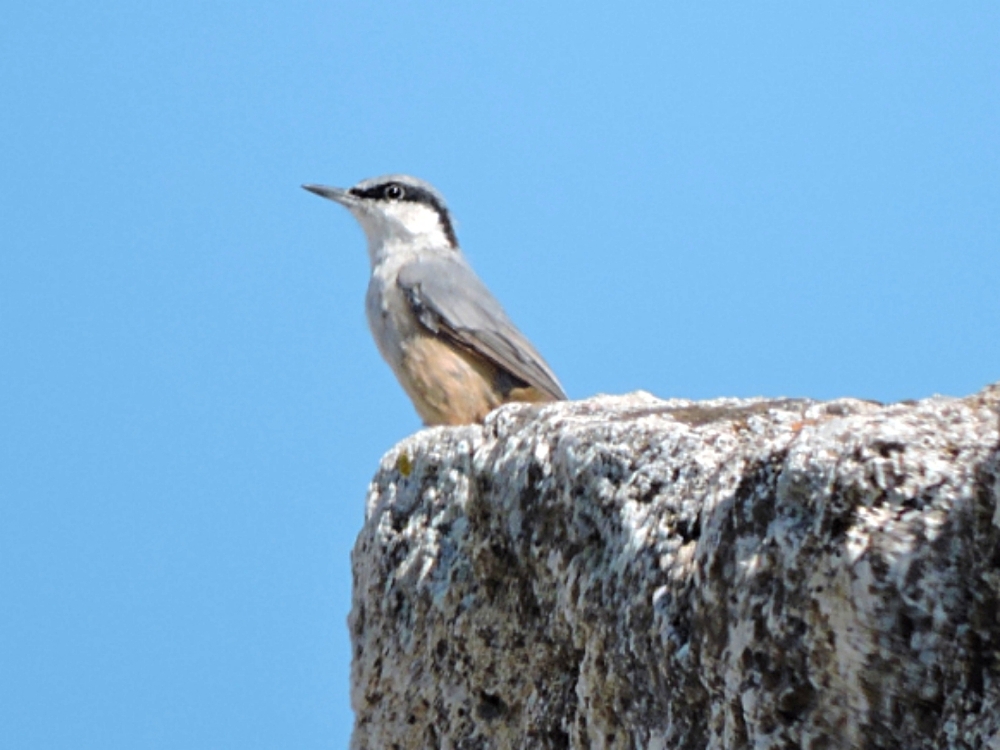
448	340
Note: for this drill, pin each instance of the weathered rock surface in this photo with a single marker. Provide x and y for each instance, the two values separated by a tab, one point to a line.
626	572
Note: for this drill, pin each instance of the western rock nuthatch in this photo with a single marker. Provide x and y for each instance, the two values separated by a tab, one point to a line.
449	342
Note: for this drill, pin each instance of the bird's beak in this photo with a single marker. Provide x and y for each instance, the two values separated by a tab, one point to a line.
339	195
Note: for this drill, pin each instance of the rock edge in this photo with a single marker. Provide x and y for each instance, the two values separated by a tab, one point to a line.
628	572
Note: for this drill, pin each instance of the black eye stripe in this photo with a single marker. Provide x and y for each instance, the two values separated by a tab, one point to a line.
411	194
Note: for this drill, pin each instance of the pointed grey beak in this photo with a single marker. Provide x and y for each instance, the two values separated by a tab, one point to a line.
338	195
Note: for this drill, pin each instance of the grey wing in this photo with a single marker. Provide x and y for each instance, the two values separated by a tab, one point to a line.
449	299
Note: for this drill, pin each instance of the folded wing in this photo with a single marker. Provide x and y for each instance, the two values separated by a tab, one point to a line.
449	299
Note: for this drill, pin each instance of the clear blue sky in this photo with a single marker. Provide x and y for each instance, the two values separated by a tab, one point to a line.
719	201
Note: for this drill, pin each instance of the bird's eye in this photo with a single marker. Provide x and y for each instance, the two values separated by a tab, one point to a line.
393	192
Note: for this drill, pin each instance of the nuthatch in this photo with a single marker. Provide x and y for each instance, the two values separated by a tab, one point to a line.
453	348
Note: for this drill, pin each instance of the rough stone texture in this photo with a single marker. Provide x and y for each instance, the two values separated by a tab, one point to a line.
626	572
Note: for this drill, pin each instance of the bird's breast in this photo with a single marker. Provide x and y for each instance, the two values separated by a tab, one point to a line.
389	317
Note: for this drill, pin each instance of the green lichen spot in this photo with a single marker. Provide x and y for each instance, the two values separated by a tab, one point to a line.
403	464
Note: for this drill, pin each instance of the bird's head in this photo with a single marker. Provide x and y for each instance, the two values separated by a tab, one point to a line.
395	209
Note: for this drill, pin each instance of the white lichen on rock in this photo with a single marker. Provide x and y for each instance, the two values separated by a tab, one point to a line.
626	572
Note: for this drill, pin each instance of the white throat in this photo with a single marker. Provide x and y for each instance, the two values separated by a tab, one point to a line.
402	228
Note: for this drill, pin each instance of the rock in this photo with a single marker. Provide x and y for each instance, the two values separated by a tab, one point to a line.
627	572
